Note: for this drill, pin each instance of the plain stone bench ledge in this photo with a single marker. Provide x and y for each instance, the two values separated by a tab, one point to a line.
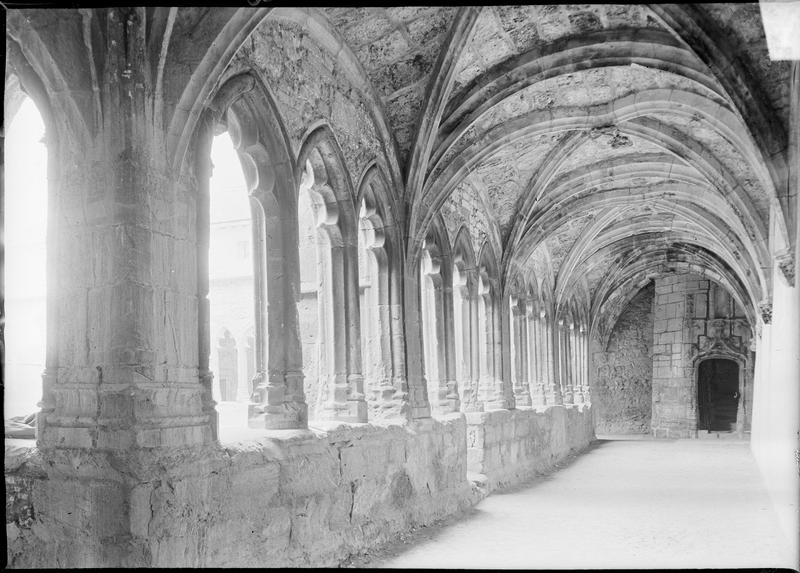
329	431
480	417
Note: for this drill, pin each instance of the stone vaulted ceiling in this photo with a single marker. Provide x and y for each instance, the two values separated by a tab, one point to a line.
615	143
593	146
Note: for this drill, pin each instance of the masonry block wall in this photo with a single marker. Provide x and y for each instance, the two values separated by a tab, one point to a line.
286	499
622	386
296	498
689	325
505	447
674	395
646	380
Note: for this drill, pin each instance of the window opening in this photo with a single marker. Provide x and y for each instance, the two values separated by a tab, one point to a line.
231	290
25	266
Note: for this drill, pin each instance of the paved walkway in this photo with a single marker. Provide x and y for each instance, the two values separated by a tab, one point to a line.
624	504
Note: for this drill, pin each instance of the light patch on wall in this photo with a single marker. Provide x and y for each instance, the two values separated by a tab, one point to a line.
782	27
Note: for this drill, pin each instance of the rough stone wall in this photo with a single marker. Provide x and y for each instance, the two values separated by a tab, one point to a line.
464	208
622	386
310	87
504	447
24	480
297	498
288	499
398	47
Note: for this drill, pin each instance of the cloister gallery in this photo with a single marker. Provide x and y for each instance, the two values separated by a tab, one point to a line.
311	278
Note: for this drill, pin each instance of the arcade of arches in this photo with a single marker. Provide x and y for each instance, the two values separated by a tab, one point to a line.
467	240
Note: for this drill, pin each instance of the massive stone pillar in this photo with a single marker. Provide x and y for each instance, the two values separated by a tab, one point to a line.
124	373
121	389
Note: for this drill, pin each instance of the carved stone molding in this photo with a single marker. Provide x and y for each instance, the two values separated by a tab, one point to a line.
720	337
785	261
765	308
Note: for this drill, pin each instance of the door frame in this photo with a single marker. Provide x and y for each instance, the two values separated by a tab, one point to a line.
741	362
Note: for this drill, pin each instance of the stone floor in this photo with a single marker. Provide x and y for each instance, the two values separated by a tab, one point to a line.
626	503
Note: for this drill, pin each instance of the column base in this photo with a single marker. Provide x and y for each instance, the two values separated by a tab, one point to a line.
554	397
496	405
393	408
453	400
523	400
352	412
286	416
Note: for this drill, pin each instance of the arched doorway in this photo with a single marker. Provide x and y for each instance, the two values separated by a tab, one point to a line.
718	395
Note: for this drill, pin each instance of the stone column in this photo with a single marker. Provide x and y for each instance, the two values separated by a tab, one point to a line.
502	359
432	303
344	399
277	398
448	342
400	408
536	374
575	364
473	347
522	396
122	389
123	254
462	314
419	406
587	392
356	399
563	361
487	391
550	331
334	375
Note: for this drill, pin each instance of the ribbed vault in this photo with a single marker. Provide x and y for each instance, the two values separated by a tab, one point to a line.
570	138
609	145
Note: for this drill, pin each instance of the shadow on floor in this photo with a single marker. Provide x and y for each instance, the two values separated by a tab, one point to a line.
549	474
407	540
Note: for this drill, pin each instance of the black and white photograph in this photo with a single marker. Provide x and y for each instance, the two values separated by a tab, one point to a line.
404	287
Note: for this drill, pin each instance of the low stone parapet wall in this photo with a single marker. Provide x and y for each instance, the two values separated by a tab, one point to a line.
291	498
506	447
271	499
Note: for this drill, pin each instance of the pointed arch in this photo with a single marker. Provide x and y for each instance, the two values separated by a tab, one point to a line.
436	303
327	190
383	340
244	105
